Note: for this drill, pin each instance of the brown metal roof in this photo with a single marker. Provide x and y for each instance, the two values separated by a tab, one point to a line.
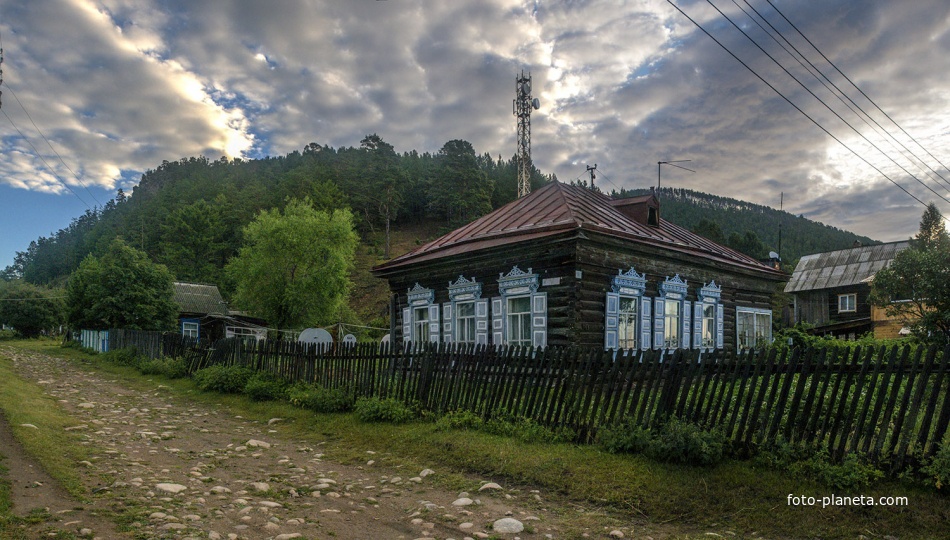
843	267
557	208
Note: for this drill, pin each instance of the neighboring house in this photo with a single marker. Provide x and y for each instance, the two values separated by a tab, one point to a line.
831	291
565	265
204	314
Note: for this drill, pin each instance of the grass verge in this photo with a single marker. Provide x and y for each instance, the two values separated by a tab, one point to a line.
57	450
737	496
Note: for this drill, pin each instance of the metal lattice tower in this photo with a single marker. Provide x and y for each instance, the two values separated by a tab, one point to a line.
521	108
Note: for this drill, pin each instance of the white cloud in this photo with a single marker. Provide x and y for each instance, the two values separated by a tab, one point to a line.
120	85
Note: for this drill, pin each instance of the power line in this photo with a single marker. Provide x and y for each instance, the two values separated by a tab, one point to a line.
51	146
832	111
840	94
27	299
61	181
856	87
796	107
41	135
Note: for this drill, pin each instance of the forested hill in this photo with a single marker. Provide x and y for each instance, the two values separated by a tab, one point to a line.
747	227
189	214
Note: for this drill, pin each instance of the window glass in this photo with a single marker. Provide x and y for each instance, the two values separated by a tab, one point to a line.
847	302
519	321
754	328
420	323
627	332
465	322
672	325
709	326
189	329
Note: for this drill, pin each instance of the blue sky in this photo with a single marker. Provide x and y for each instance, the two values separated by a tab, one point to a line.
118	86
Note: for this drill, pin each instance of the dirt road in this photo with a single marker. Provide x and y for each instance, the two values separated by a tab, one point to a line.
186	470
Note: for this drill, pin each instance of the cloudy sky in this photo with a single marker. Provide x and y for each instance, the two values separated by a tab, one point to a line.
118	86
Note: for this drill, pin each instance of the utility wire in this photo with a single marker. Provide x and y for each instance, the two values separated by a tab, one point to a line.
832	111
837	92
796	107
51	146
30	299
41	135
61	181
856	87
609	180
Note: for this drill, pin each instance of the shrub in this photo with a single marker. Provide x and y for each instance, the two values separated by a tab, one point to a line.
263	386
152	367
459	420
128	356
319	399
383	410
853	473
626	437
176	368
938	469
224	379
173	368
679	441
526	429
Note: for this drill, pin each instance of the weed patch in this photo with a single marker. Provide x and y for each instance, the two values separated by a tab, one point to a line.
319	399
676	441
223	379
388	410
263	386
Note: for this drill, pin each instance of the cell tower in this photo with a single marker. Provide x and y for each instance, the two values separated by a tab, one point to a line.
521	107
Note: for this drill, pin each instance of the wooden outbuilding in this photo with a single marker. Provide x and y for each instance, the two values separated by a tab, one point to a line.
565	265
203	314
831	292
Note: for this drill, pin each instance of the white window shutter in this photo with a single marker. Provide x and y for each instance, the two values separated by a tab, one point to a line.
646	323
686	324
434	323
539	319
498	321
720	326
697	325
481	322
407	324
447	321
659	334
611	320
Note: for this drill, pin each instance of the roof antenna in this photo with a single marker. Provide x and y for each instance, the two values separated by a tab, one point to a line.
590	171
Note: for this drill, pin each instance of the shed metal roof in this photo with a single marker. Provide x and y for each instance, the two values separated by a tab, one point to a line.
198	298
557	208
843	267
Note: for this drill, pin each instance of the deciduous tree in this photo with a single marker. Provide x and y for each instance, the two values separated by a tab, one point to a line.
294	267
121	289
915	287
30	309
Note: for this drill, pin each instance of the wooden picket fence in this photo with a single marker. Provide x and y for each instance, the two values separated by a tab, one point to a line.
153	344
889	404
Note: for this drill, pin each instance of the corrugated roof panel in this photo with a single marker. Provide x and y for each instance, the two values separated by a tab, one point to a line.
843	267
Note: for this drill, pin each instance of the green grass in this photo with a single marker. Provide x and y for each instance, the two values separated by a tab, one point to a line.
585	481
57	450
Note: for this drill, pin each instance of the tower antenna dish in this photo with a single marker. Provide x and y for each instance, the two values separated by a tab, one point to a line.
521	107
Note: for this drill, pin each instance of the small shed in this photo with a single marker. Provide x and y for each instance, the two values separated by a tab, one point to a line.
831	291
203	314
566	265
